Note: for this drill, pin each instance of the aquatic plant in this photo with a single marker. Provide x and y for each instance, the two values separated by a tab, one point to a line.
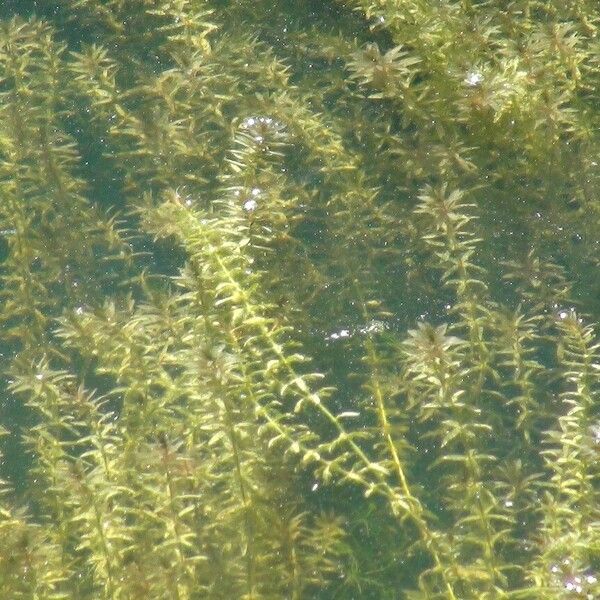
296	301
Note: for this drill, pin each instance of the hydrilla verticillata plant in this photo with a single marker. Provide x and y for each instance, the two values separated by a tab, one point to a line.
297	301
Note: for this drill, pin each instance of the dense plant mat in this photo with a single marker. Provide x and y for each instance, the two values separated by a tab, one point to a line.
299	299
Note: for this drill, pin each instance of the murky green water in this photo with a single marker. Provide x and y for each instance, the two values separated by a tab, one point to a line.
299	300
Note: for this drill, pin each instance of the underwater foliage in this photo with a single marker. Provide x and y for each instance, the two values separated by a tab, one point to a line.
298	300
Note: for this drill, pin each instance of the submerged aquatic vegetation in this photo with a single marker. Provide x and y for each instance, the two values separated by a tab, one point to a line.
296	302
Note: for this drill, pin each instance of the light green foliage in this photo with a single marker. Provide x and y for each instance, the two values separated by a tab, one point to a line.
296	300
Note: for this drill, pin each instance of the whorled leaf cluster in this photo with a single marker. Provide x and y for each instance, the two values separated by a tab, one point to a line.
298	301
